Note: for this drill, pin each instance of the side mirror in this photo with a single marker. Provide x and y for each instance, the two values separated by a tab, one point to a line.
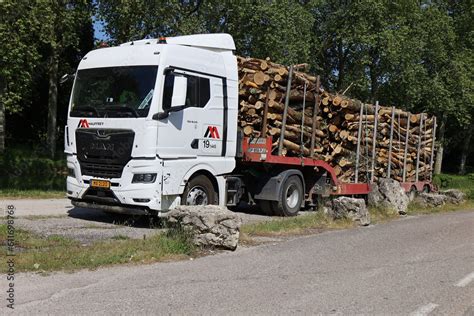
178	99
166	113
179	91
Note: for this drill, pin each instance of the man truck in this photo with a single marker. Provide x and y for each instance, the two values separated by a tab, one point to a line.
153	124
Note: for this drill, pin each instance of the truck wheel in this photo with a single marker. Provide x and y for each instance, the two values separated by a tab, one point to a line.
199	191
290	199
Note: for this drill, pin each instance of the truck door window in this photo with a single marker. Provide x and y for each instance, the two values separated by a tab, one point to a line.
198	91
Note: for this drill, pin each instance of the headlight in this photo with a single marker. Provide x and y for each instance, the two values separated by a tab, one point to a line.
144	178
71	173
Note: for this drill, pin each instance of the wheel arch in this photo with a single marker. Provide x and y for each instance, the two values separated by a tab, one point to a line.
200	170
426	188
271	188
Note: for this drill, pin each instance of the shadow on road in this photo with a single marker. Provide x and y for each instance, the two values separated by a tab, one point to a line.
94	215
248	213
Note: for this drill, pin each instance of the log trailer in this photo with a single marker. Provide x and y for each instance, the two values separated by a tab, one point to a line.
153	124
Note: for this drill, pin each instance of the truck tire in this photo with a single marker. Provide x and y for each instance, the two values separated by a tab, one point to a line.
199	191
290	199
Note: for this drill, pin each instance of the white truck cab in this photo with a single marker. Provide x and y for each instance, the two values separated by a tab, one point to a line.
153	124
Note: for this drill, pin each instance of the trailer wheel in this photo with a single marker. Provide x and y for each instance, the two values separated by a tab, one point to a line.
290	199
199	191
426	188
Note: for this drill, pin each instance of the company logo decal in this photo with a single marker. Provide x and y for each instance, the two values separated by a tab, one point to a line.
83	124
212	132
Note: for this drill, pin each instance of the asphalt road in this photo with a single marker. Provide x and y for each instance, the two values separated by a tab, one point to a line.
416	265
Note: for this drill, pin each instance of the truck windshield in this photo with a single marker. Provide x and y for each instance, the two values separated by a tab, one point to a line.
124	91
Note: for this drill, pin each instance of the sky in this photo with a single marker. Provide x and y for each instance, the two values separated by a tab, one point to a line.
99	34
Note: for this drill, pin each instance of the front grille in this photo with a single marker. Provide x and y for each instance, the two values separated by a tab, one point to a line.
104	152
101	170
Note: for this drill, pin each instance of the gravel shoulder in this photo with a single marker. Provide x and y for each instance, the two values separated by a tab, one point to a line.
48	217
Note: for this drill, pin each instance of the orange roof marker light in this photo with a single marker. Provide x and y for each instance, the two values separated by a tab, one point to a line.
103	44
162	40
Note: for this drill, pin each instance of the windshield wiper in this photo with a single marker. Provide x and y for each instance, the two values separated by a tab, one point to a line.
85	108
122	108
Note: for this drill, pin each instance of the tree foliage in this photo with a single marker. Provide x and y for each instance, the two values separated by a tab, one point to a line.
36	36
416	55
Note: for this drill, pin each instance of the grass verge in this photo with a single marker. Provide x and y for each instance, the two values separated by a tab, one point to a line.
415	208
45	254
31	194
382	215
318	221
295	225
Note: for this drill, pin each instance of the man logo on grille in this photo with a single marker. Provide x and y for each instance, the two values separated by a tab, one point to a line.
83	124
212	132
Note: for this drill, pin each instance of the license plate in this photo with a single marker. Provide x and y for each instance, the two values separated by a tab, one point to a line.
102	184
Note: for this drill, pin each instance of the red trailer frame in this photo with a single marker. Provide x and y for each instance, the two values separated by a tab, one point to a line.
259	150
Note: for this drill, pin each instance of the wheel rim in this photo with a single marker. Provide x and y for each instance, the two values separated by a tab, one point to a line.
196	196
292	196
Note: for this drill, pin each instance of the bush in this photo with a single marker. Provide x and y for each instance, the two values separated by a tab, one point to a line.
24	169
464	183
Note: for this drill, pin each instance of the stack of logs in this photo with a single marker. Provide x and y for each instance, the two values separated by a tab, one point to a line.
337	122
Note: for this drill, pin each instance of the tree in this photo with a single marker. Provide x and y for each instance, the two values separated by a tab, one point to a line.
414	55
38	39
19	57
63	21
277	29
462	14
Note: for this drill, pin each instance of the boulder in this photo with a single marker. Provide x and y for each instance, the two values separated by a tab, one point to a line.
389	194
346	207
431	199
454	196
212	226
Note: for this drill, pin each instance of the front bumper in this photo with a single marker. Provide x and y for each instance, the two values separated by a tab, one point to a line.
123	196
119	209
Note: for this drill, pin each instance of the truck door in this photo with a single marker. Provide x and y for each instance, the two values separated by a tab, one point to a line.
197	130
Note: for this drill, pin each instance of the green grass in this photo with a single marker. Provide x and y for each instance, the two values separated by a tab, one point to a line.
415	208
31	194
45	254
381	215
464	183
307	224
295	225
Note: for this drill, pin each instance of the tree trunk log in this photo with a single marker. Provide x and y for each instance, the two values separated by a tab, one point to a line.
53	62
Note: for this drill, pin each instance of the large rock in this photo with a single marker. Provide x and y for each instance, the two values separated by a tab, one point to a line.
431	199
388	194
454	196
346	207
212	225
